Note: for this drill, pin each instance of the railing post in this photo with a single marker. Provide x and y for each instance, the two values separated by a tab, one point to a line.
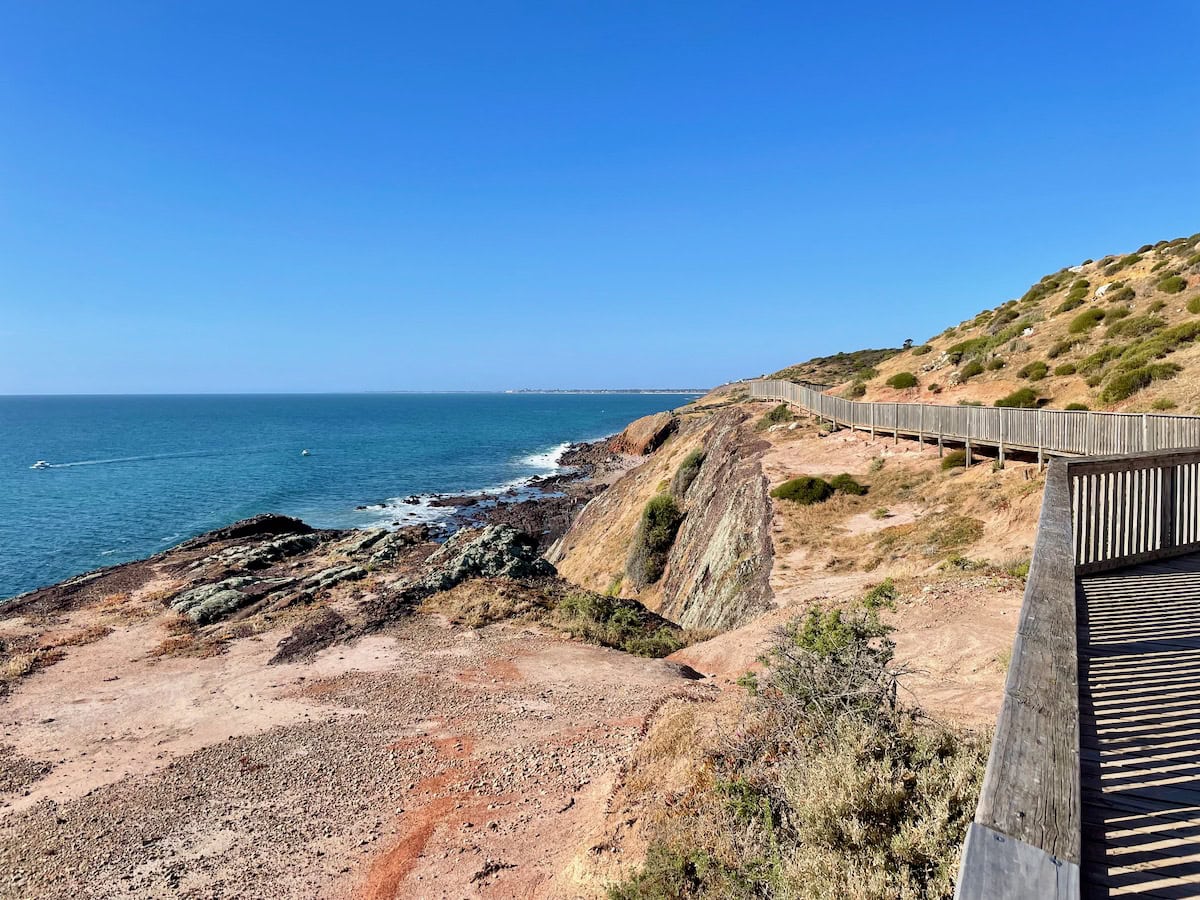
896	423
1041	416
1089	435
921	426
872	420
1000	433
1167	510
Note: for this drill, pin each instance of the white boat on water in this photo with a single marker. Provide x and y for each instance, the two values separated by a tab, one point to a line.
40	464
305	453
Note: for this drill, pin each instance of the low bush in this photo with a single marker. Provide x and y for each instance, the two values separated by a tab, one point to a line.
1127	382
970	370
1073	301
855	390
955	459
994	364
934	388
1120	312
653	539
778	415
1034	371
804	489
688	469
1135	326
1163	403
1065	369
1193	305
1077	406
902	380
828	788
1123	294
1086	321
1024	398
1155	306
921	350
1172	284
622	624
1123	263
1058	348
845	484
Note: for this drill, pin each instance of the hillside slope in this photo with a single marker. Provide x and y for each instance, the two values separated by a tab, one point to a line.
1120	333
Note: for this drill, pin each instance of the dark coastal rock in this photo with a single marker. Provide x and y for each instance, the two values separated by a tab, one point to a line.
256	526
497	550
327	578
210	602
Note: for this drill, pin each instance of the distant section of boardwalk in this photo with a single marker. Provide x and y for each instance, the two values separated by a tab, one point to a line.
1139	712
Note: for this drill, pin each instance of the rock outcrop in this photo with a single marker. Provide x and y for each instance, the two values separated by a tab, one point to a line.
645	435
494	551
719	568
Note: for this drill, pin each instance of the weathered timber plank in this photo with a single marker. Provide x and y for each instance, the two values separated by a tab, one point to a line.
997	867
1031	787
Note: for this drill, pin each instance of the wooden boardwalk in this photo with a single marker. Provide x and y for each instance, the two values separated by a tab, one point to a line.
1139	720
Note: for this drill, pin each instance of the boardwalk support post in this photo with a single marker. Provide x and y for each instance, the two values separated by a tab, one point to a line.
896	423
1000	433
968	460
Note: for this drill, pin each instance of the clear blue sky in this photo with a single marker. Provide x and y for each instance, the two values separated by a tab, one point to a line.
244	196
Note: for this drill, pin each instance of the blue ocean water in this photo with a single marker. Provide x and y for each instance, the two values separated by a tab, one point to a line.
131	476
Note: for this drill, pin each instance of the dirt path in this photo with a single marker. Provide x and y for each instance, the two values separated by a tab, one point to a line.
425	761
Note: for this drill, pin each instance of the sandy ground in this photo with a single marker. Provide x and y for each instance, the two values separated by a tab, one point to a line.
424	762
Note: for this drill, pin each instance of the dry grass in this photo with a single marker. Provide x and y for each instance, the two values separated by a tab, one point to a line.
484	601
807	788
77	638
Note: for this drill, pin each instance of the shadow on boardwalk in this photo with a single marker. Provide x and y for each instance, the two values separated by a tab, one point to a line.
1139	709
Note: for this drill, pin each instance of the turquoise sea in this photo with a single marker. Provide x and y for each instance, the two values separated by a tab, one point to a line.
130	476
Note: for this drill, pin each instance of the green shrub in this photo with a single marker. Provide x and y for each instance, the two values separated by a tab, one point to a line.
804	489
653	539
921	350
1193	305
1123	294
1034	371
1086	321
1060	347
1024	398
1065	369
1073	301
970	370
1172	284
994	364
613	622
955	459
1120	312
688	469
1094	380
1192	260
777	416
1135	326
855	390
1123	263
1126	383
970	403
1096	361
902	380
934	388
845	484
1076	406
969	347
1163	403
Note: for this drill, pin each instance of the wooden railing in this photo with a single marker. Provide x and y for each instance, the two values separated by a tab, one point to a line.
1134	508
1098	512
1054	432
1025	841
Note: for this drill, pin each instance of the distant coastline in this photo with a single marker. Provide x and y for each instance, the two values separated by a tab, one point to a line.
698	391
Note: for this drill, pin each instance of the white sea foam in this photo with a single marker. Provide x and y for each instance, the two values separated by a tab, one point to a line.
547	459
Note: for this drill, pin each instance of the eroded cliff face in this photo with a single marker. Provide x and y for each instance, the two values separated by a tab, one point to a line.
718	571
